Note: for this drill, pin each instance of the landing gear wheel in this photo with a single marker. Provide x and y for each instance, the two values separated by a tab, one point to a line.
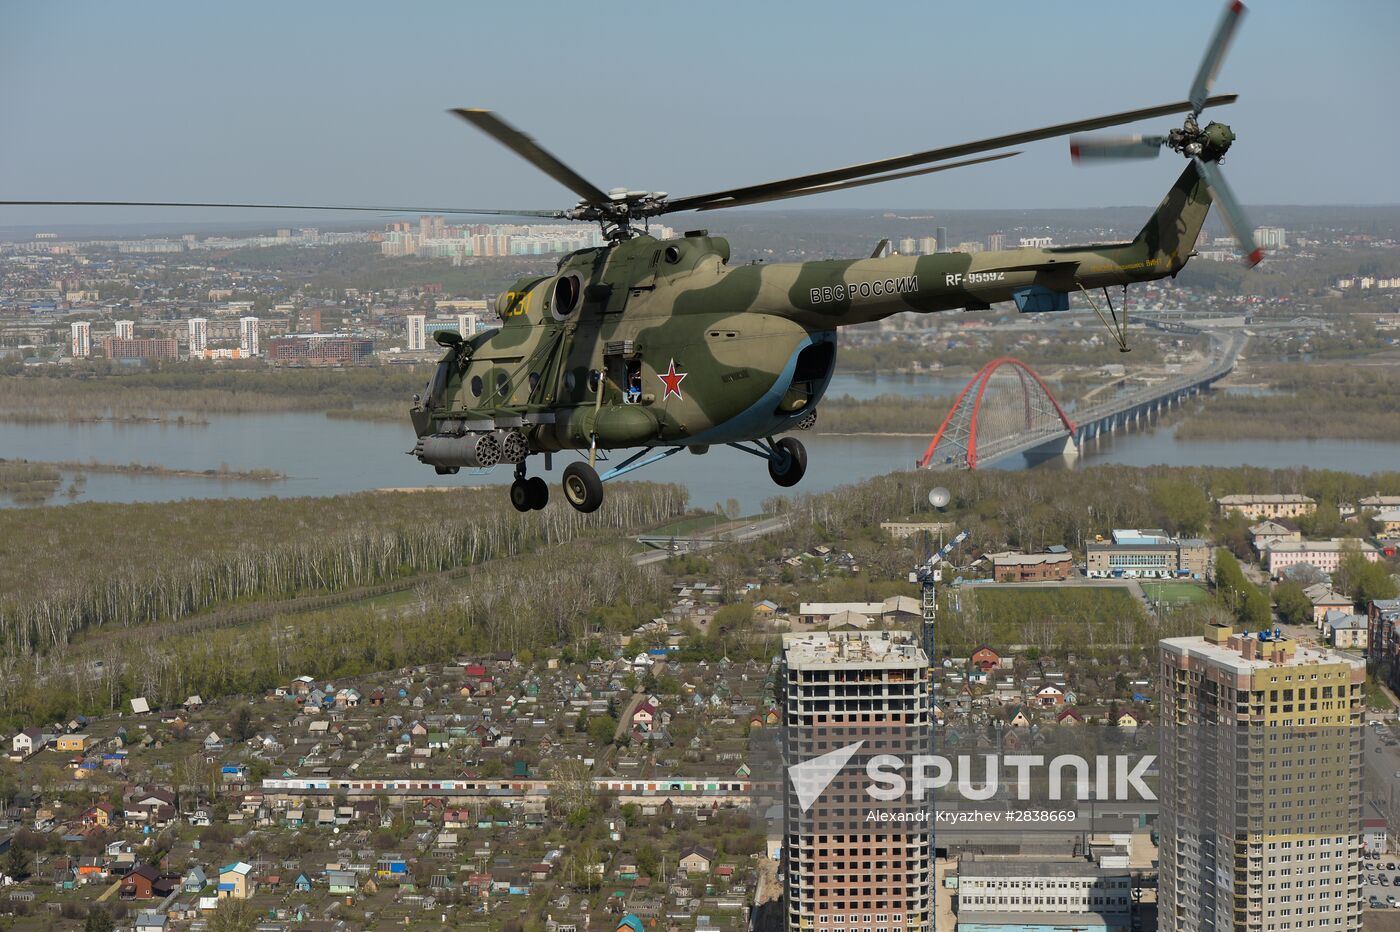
582	487
538	492
788	463
520	495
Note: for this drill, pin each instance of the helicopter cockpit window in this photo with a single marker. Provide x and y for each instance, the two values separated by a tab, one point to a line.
437	388
568	295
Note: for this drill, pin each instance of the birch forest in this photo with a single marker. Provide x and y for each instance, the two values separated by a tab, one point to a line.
82	568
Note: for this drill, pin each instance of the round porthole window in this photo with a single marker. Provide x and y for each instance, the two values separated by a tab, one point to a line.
476	386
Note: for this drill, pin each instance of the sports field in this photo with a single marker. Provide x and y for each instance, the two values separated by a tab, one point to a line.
1173	592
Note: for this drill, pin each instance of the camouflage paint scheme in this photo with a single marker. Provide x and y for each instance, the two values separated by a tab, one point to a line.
753	347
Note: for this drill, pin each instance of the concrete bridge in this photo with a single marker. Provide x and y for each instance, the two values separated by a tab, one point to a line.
1007	410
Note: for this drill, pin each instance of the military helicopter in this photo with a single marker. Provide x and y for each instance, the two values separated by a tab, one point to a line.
656	346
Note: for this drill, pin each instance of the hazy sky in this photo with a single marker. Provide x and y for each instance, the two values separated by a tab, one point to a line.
345	102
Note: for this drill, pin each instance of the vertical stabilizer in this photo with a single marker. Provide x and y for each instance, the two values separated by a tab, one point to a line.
1170	234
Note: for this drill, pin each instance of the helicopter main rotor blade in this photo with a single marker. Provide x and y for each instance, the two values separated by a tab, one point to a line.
1115	147
1230	211
554	214
532	152
1215	55
859	182
814	183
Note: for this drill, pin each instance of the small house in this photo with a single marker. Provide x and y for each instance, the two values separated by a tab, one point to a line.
985	659
341	882
195	880
696	859
235	880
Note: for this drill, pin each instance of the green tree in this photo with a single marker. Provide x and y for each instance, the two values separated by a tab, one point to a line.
17	862
8	789
1365	580
242	725
1182	504
1323	521
1232	531
648	860
1249	605
233	916
733	618
98	920
601	729
1293	607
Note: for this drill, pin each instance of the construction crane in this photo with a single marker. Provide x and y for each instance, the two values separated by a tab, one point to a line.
926	576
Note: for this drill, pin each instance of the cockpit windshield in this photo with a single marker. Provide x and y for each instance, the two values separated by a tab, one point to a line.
437	387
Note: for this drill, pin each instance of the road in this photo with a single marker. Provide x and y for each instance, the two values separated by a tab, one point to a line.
734	533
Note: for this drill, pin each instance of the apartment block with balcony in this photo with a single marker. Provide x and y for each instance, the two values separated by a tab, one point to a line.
877	878
1261	785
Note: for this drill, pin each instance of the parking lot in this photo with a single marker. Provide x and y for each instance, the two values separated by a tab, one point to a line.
1373	872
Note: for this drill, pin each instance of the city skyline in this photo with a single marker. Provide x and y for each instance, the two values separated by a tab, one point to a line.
322	120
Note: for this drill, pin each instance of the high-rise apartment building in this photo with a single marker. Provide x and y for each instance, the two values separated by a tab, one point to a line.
118	349
81	343
417	331
432	226
844	876
941	234
928	245
908	246
126	329
199	337
248	336
996	241
319	349
466	325
1261	785
1271	237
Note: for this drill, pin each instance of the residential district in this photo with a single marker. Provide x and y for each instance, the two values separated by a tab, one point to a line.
624	789
216	298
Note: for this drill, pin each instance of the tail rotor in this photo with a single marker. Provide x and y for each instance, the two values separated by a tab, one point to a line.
1206	147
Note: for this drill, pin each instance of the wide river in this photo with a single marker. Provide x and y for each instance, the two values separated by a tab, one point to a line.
328	457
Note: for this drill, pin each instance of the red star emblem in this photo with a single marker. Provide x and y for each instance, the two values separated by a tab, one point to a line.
672	380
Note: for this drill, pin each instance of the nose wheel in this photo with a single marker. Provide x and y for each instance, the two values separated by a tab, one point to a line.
528	494
787	458
788	463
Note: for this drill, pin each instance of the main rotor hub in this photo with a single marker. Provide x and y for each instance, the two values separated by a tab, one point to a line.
615	215
1209	144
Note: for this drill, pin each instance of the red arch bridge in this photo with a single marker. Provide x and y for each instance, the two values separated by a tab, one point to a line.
1007	409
